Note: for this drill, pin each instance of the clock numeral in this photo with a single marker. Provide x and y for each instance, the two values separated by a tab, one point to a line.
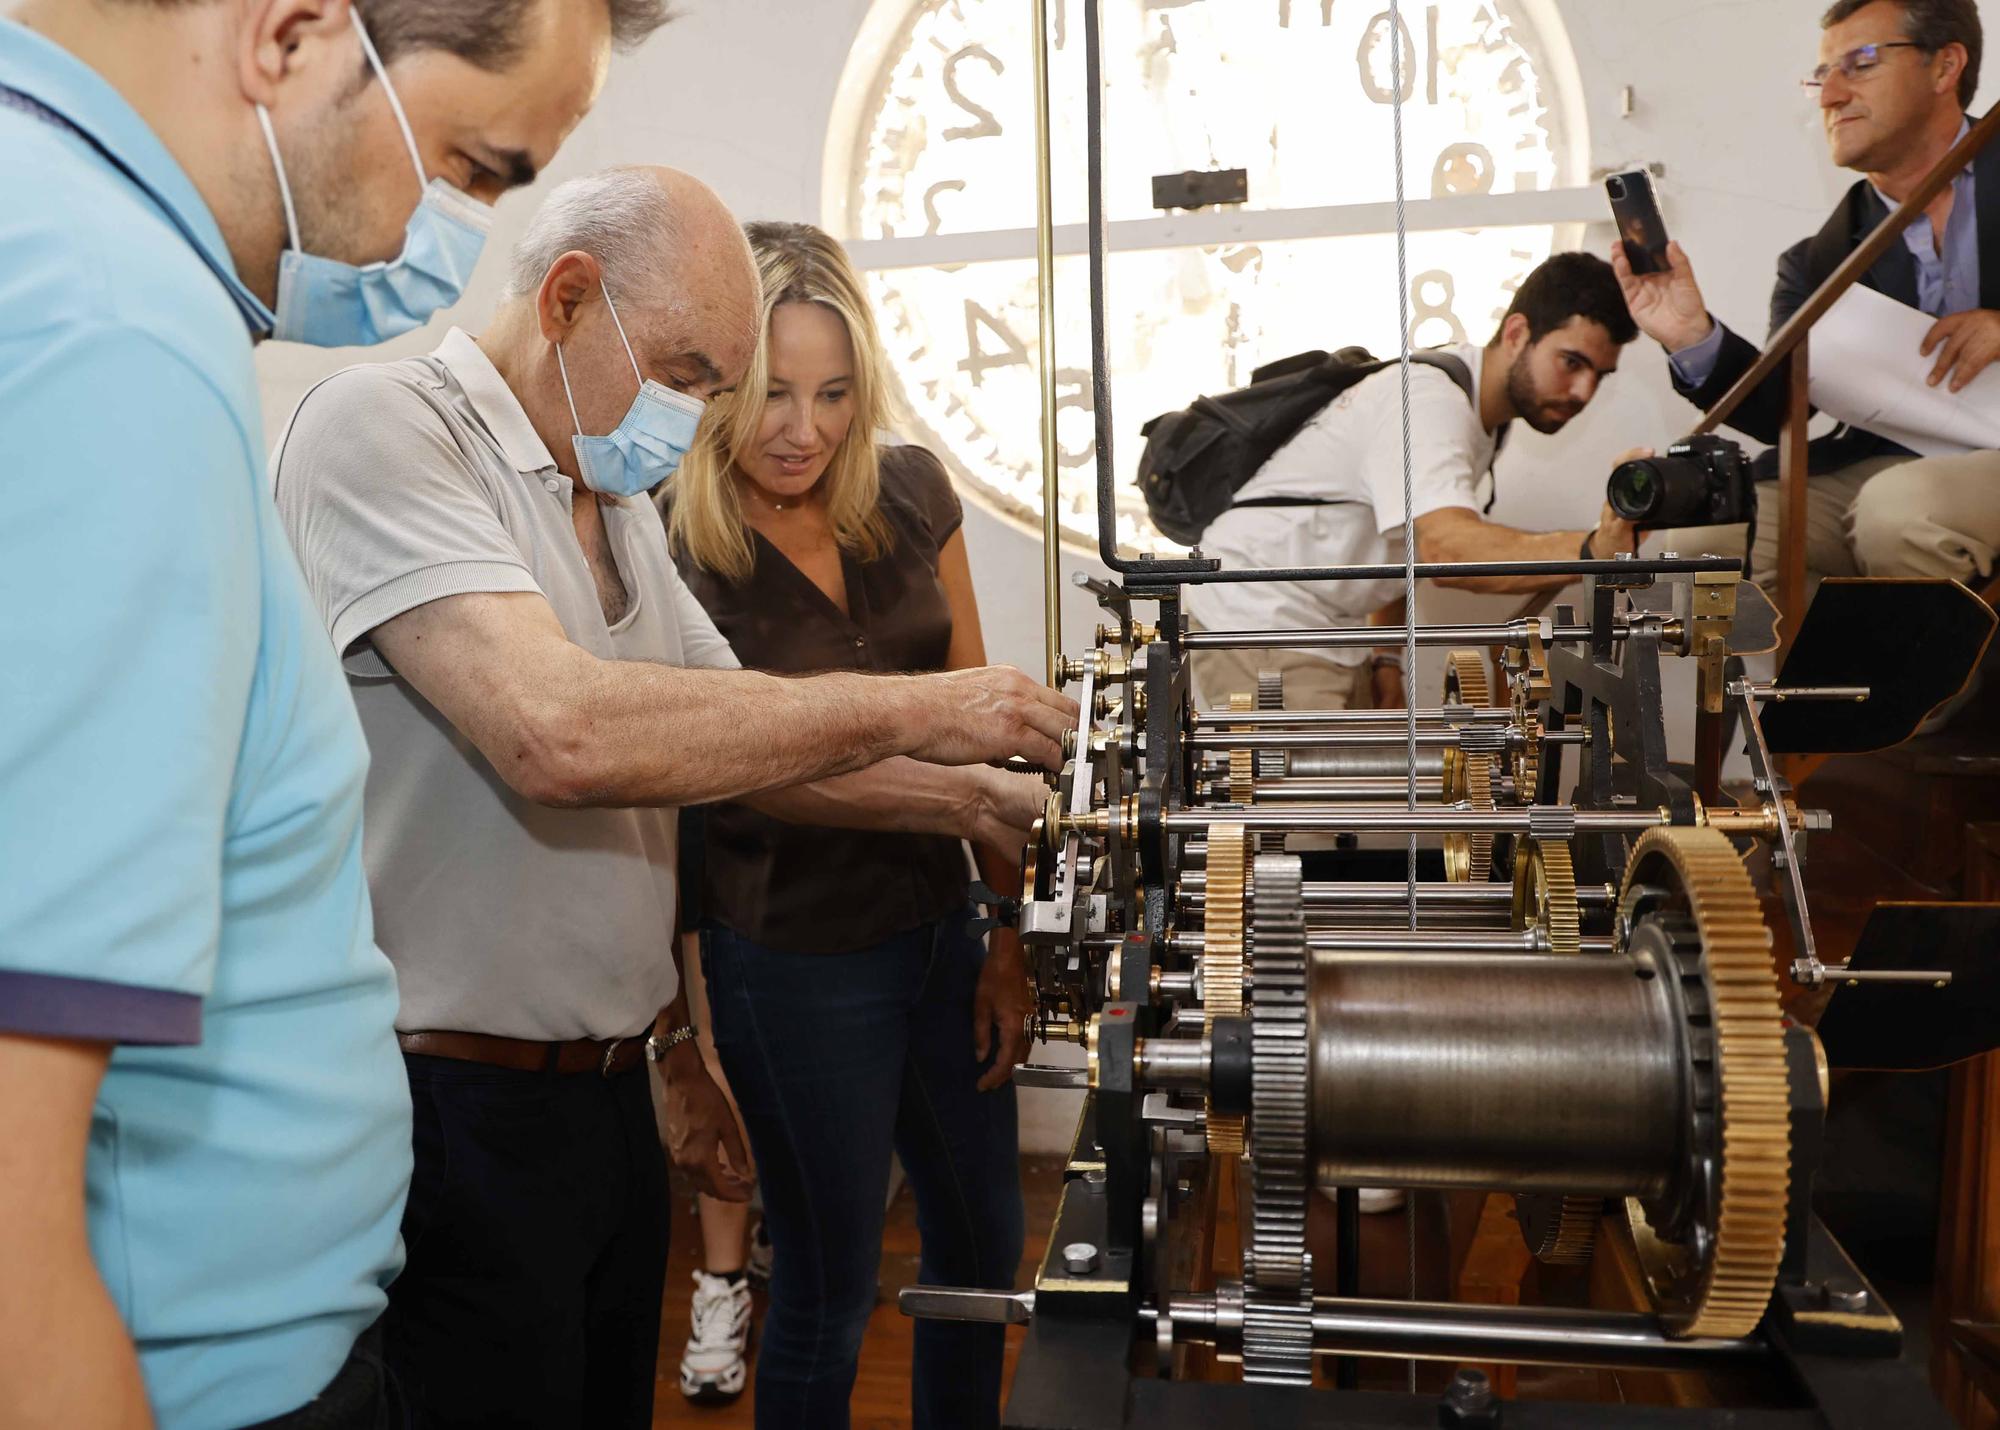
984	125
1462	169
1424	310
931	220
978	362
1510	286
1285	13
1077	398
1375	67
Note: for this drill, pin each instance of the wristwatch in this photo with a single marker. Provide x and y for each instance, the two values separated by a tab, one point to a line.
657	1046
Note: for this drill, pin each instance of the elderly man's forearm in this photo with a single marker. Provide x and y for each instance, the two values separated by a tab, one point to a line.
901	795
658	735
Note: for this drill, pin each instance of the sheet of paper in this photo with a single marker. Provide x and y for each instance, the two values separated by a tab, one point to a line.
1868	369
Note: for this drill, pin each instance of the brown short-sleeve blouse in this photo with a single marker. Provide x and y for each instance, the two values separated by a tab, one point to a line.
815	890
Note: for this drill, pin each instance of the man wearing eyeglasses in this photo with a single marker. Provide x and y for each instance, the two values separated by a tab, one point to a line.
1892	85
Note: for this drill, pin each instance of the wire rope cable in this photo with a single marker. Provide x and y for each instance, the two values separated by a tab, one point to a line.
1396	33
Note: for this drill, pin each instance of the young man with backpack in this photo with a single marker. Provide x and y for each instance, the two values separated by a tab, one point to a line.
1332	493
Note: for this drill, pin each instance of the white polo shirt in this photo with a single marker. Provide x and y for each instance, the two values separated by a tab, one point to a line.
405	482
1350	453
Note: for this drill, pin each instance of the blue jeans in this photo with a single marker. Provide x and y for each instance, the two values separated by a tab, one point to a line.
835	1059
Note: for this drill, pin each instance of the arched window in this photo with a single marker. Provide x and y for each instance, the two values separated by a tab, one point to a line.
930	172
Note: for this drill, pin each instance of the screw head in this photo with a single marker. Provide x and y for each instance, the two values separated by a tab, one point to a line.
1841	1294
1080	1258
1469	1403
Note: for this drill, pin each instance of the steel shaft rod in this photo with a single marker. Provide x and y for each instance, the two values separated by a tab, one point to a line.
1430	1330
1336	894
1450	819
1306	719
1417	941
1344	739
1357	637
1045	349
1517	1335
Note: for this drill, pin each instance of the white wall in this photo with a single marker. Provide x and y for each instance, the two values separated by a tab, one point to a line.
739	92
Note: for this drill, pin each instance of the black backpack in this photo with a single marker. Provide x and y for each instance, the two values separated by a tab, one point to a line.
1198	458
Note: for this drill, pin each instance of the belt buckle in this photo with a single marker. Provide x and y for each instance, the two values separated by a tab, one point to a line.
610	1050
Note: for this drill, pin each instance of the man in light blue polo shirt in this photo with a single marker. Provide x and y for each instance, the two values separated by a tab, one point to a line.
204	1123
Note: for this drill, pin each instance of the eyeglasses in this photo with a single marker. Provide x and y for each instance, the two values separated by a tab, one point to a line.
1856	64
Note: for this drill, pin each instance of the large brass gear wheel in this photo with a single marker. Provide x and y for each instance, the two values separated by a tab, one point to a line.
1222	957
1718	1284
1468	779
1545	893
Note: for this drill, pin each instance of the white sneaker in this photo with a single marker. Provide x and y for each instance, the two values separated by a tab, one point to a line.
712	1366
758	1266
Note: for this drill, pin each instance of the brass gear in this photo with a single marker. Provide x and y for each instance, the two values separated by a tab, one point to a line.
1545	893
1526	762
1222	958
1468	778
1725	1292
1242	763
1559	1230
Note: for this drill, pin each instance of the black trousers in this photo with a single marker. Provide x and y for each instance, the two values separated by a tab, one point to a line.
536	1234
361	1396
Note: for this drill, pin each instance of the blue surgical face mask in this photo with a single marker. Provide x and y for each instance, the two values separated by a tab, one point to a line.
644	449
331	304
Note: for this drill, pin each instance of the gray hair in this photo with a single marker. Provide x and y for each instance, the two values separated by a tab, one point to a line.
491	34
619	216
1931	25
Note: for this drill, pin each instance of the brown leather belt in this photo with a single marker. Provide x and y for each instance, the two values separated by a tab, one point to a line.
605	1057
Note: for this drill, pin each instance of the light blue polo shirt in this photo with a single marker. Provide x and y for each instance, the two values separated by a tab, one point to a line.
180	781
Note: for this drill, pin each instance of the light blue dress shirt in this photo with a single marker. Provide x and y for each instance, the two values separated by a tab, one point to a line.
1947	275
181	777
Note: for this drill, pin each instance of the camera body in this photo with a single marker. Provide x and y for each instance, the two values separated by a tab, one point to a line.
1702	481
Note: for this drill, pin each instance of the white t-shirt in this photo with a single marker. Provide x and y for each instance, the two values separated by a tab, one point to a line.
1351	452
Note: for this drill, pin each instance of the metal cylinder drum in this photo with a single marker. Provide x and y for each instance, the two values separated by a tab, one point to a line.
1506	1072
1359	763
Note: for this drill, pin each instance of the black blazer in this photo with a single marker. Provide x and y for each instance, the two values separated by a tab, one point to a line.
1809	263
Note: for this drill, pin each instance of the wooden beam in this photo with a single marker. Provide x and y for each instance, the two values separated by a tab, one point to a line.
1858	262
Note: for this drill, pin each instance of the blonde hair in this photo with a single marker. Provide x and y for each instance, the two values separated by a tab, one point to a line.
798	264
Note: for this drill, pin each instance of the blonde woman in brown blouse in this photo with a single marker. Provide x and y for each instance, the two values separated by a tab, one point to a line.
854	1009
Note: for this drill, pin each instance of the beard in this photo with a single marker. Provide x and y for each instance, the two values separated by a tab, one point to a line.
1546	415
321	165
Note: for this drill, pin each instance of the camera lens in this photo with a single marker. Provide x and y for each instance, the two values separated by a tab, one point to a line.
1661	491
1615	187
1634	490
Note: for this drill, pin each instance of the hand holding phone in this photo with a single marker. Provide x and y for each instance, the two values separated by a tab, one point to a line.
1637	214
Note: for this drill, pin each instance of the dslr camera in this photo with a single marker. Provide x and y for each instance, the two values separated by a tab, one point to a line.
1703	481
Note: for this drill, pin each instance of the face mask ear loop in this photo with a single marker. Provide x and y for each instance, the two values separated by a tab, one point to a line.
284	185
395	104
563	368
621	333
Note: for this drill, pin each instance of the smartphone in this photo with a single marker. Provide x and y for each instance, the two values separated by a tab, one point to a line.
1637	215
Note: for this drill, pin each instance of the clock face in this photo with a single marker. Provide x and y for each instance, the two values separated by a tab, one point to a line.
1295	92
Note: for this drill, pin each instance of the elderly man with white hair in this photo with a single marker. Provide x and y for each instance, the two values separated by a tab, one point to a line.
540	692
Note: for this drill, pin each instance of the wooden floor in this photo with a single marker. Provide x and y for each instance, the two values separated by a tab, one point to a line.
882	1389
